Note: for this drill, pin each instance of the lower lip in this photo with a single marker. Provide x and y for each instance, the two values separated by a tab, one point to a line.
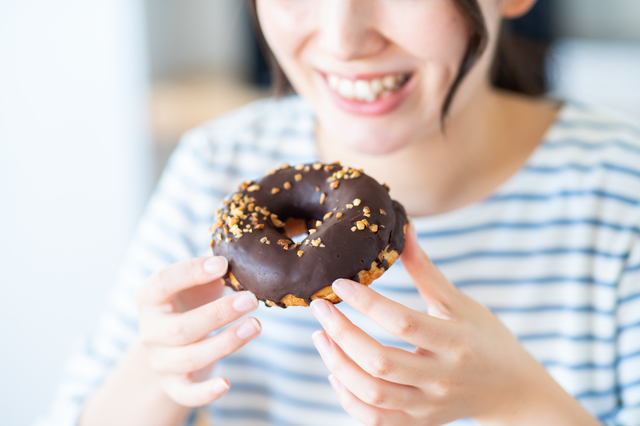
380	106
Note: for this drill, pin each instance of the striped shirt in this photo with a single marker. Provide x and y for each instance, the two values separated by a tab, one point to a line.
554	252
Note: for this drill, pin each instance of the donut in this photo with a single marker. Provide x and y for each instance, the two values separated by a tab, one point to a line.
355	230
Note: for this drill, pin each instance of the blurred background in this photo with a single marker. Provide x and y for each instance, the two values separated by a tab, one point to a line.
95	95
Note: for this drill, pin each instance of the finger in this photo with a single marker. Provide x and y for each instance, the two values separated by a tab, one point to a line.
168	281
414	327
185	392
177	329
365	413
368	389
189	358
441	296
389	363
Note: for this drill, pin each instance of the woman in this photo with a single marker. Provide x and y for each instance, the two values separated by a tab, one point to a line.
530	207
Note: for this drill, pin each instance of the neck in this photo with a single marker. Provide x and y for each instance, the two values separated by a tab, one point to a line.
484	145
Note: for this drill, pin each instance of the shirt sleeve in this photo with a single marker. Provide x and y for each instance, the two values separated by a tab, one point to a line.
171	230
628	343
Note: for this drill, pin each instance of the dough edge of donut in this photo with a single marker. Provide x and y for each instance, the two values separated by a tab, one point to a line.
365	277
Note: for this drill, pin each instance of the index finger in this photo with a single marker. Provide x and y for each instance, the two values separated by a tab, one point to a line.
170	280
413	327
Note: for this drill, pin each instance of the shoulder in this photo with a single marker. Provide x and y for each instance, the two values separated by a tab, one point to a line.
596	131
598	149
260	126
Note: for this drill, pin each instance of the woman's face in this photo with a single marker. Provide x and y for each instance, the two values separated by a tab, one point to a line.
376	72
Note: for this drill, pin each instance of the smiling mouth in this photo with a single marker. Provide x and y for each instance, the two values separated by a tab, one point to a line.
367	90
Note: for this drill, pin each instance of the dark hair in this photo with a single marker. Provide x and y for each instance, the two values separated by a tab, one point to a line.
517	65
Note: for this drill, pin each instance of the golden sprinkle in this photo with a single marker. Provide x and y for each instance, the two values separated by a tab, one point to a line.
365	222
360	225
307	168
306	242
349	206
338	215
318	223
339	174
374	228
311	231
251	207
315	242
213	228
353	229
317	188
331	179
277	222
300	253
275	190
382	212
271	172
284	243
328	168
327	216
334	185
355	174
253	188
286	185
299	166
298	177
366	210
284	166
357	202
317	166
386	187
322	197
383	227
260	226
322	245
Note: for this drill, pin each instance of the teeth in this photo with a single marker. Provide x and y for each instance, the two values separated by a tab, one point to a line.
345	88
334	81
366	91
389	82
376	86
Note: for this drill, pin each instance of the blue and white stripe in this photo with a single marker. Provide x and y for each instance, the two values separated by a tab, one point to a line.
554	252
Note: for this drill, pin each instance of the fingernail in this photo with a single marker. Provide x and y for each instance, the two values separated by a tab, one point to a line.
321	308
335	384
321	341
246	301
344	289
248	328
220	386
215	265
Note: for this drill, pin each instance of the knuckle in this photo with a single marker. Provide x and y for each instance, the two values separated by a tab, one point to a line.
380	366
188	360
406	326
177	332
376	420
376	396
442	387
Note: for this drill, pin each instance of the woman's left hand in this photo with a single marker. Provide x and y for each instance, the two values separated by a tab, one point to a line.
466	362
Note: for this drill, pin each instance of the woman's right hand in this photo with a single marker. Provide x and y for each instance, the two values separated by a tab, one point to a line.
178	307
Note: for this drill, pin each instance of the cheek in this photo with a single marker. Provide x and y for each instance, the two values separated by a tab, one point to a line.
285	25
437	39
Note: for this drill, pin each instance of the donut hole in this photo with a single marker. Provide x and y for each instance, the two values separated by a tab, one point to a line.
296	229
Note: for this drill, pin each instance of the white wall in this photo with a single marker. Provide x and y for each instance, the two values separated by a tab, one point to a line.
74	175
197	35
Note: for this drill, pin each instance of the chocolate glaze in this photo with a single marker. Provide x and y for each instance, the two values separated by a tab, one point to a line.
270	271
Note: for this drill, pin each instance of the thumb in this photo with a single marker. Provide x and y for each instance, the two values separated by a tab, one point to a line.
441	296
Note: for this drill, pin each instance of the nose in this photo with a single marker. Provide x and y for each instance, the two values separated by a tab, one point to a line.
348	30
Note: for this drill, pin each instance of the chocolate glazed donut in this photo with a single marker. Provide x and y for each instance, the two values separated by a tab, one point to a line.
356	231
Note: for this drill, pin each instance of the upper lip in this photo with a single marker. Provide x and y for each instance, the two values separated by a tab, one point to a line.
362	76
